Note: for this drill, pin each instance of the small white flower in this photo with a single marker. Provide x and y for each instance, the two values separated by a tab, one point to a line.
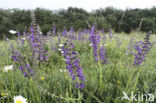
62	51
59	49
61	45
7	68
64	59
20	99
12	31
23	38
90	44
61	70
126	53
100	45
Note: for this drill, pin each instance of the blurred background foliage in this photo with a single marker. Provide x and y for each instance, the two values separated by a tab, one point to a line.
119	20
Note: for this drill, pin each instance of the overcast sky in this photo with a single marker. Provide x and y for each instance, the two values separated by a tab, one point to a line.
86	4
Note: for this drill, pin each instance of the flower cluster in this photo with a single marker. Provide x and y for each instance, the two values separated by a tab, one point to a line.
37	44
147	44
64	32
21	61
140	49
35	54
103	55
54	30
139	55
95	40
73	64
130	47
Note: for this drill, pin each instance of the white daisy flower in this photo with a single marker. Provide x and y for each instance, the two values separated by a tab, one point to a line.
12	31
59	49
7	68
20	99
62	51
61	45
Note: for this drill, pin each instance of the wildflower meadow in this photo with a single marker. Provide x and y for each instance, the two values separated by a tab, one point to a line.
85	66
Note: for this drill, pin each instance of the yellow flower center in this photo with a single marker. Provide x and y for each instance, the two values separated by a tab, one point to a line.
18	101
2	94
42	78
7	69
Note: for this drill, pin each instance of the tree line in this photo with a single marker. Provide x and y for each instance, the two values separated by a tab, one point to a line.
119	20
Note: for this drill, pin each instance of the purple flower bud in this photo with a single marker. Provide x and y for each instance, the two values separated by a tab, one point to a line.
27	66
21	68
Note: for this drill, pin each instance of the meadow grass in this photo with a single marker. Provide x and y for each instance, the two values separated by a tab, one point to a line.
104	83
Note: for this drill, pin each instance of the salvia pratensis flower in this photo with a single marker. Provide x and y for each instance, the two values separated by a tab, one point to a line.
103	31
64	32
73	64
141	49
20	60
147	44
36	55
85	31
139	55
130	47
94	39
103	55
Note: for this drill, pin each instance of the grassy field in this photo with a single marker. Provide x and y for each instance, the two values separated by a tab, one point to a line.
103	83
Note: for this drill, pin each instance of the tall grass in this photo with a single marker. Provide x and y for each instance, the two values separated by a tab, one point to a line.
104	83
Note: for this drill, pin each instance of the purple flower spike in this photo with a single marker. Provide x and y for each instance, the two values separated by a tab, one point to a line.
95	39
73	64
27	66
36	55
82	86
140	49
103	54
21	68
